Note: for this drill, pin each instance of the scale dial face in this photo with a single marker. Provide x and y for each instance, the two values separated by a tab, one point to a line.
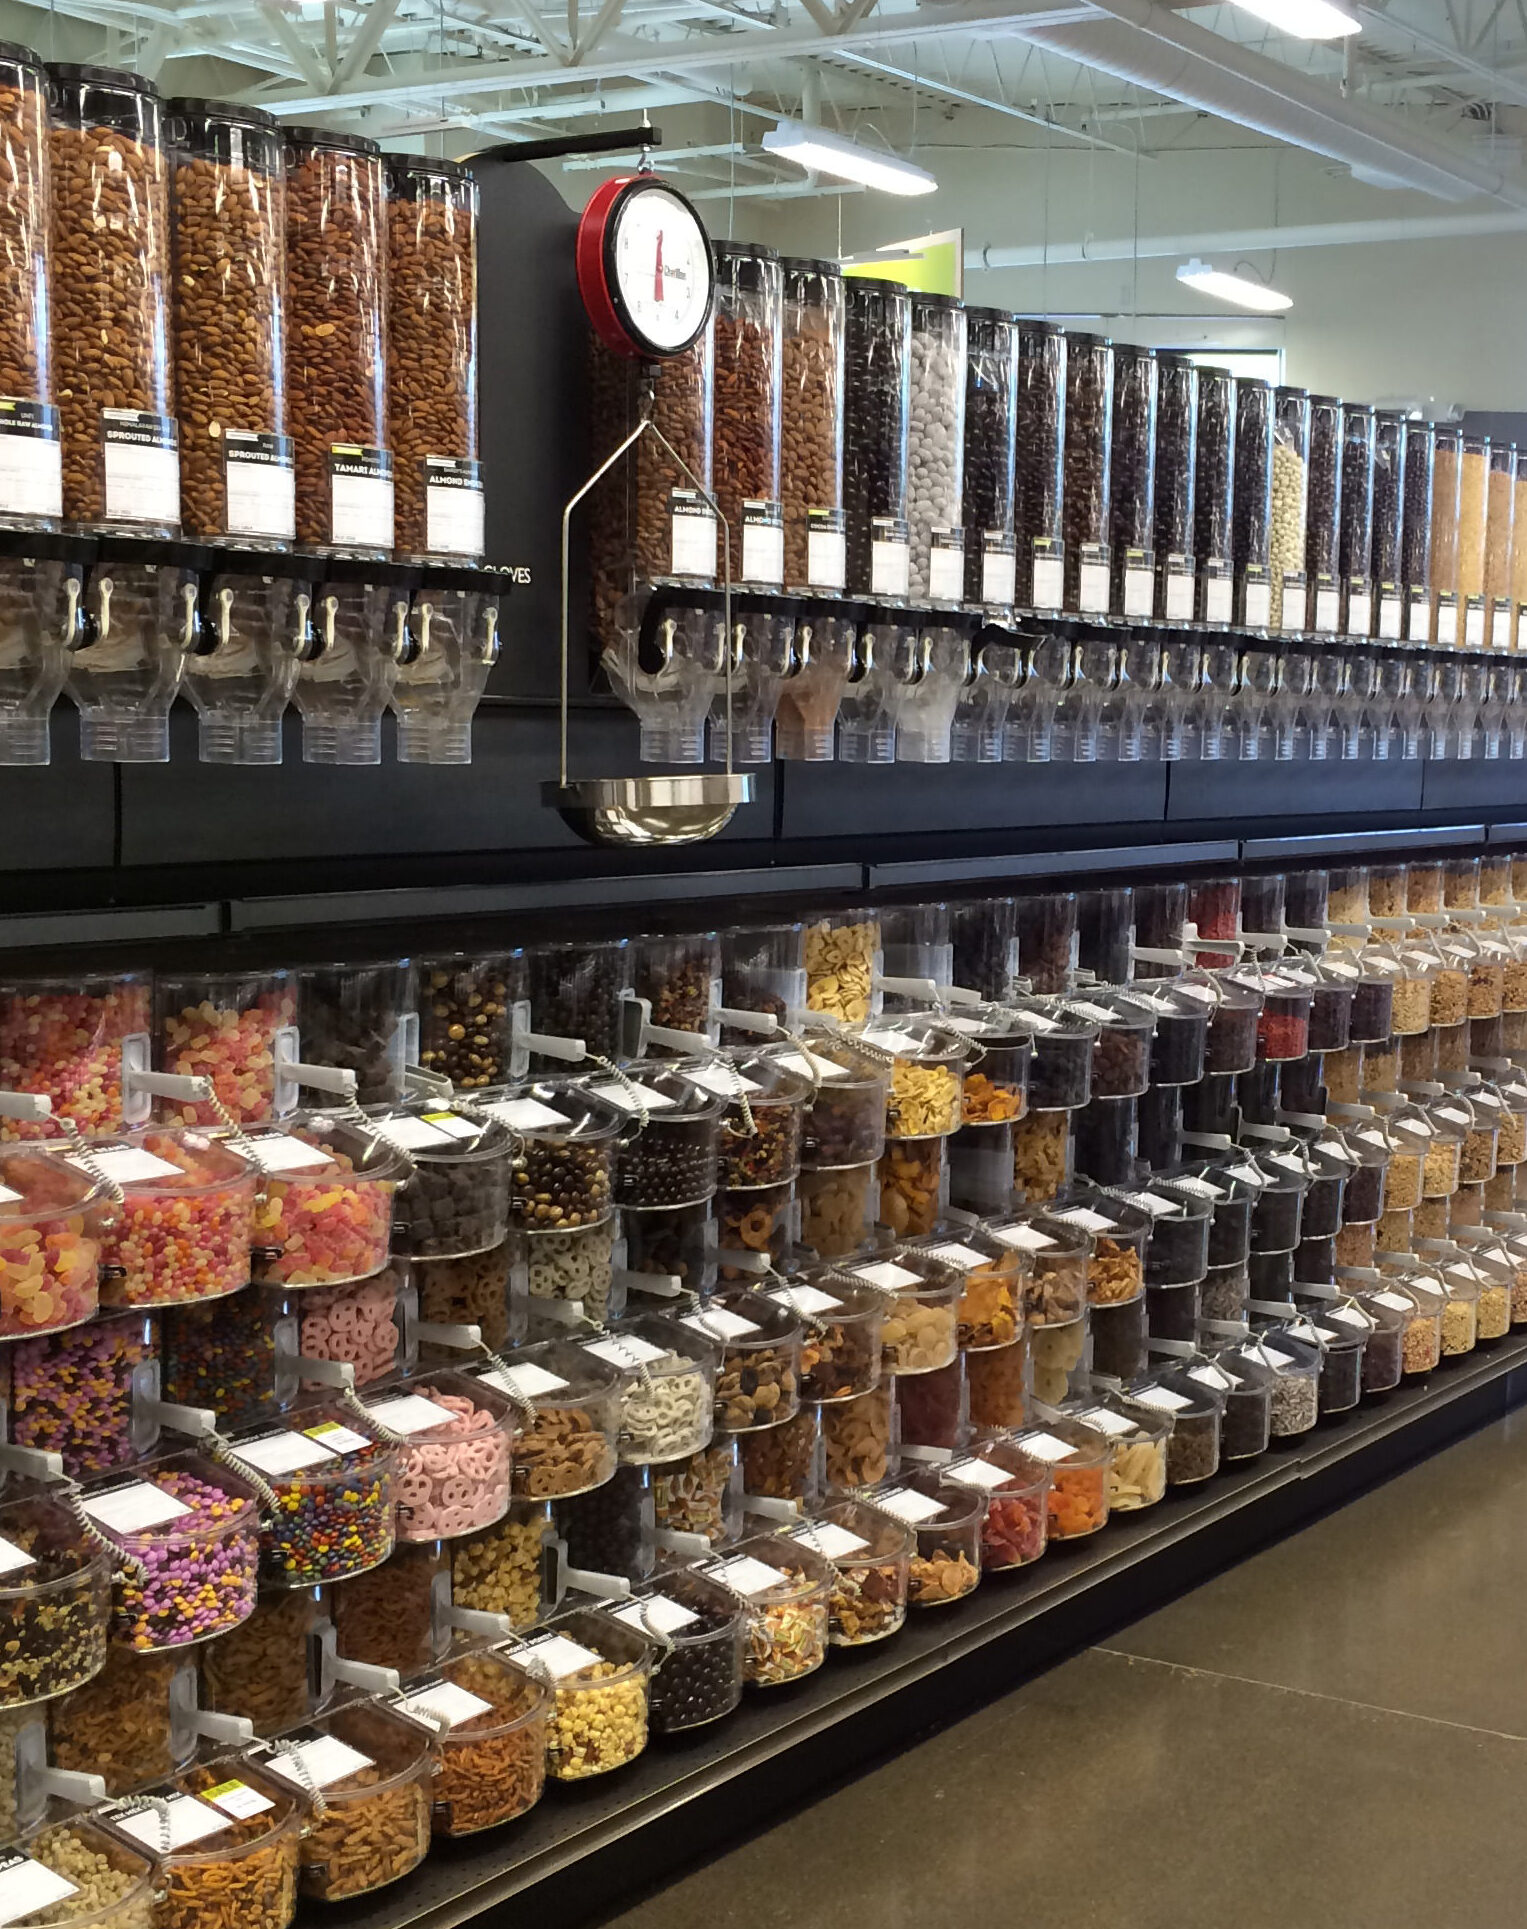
644	267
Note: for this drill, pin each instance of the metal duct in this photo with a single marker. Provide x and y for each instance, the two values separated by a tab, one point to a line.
1149	46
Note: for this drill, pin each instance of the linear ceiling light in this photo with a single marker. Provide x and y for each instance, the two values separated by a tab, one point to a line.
815	148
1233	288
1306	19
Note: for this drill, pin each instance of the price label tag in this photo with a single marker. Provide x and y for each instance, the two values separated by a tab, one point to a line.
809	1300
446	1704
1272	1356
1396	1302
980	1474
625	1350
720	1323
1258	604
1026	1239
338	1439
617	1095
1162	1398
656	1614
237	1799
1359	613
128	1165
1094	584
413	1134
966	1257
830	1540
1087	1219
1044	1446
326	1760
1113	1424
1219	597
1391	618
280	1152
1214	1376
412	1413
1140	591
132	1506
1155	1205
887	1275
720	1081
558	1655
1327	611
905	1503
526	1114
281	1452
186	1820
27	1886
526	1381
1049	590
748	1576
14	1558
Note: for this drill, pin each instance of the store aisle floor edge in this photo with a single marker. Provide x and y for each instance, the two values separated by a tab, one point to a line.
1332	1730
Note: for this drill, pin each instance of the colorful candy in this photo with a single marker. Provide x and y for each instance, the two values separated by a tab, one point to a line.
65	1040
326	1230
49	1244
198	1567
225	1029
71	1393
182	1235
223	1355
334	1501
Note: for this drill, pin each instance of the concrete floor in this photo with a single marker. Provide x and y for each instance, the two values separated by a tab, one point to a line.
1333	1735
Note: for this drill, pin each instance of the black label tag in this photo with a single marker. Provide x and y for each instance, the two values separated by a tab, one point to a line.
140	428
249	445
39	419
451	472
350	459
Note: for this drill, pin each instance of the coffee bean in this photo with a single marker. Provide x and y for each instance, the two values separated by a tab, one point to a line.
431	331
1322	518
1089	432
1214	492
877	370
746	434
935	429
1040	468
1176	457
230	269
811	468
1416	533
1357	430
25	370
110	265
336	269
1132	487
991	422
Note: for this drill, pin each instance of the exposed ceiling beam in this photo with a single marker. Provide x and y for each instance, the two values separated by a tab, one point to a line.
368	37
946	90
1242	241
1147	45
1495	84
631	59
298	51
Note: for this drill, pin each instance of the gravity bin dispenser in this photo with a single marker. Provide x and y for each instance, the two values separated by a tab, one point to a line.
124	627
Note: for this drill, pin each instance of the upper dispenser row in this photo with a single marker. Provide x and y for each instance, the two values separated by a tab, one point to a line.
214	326
902	447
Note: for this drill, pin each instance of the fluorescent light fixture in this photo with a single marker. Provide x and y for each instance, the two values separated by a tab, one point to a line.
1233	288
1305	19
815	148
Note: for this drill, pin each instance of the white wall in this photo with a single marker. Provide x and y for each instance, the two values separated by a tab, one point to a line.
1416	320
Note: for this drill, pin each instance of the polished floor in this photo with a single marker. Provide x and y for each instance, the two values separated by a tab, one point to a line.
1333	1735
